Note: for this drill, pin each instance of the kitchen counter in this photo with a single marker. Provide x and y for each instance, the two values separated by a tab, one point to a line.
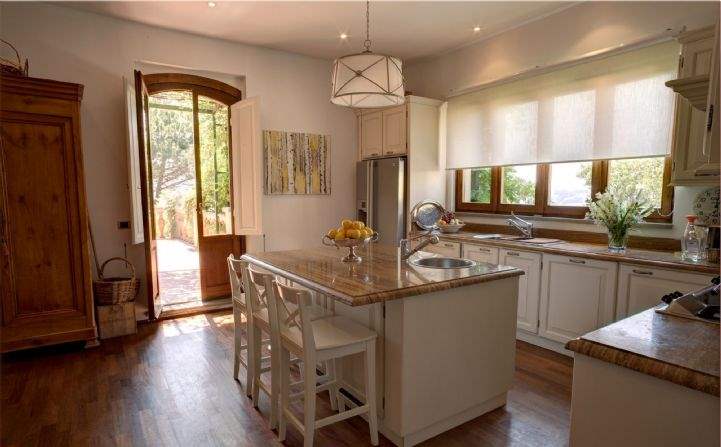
446	337
682	351
382	276
650	379
653	258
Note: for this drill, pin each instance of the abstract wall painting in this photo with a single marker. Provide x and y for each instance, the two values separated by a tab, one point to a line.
296	163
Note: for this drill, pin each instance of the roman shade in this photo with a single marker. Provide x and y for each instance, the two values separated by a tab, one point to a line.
614	107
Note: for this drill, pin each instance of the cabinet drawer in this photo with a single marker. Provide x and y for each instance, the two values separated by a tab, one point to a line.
480	253
445	248
640	287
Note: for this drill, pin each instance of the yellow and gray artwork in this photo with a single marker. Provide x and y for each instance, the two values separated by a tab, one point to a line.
296	163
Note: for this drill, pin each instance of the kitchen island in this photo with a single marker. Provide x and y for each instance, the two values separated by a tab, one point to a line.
446	336
647	380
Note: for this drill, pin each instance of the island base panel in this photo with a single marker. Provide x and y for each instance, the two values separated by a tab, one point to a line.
613	405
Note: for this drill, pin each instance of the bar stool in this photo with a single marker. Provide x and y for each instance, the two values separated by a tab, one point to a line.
325	339
240	320
258	286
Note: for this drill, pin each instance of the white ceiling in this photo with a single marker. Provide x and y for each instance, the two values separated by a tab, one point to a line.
406	29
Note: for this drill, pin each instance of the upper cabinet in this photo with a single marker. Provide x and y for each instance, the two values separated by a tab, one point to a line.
394	131
371	134
692	164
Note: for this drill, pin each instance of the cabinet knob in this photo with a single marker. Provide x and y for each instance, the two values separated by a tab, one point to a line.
642	272
512	253
391	152
577	261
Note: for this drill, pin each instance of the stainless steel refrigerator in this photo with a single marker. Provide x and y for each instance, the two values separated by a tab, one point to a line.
381	197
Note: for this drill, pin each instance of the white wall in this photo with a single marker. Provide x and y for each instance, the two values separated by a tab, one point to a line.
97	51
569	34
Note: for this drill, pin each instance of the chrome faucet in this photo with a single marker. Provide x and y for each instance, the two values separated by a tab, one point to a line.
525	227
407	252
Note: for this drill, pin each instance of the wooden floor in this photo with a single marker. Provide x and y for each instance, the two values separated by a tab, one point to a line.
171	385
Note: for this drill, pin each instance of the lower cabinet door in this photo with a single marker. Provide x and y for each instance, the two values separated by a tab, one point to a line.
480	253
640	288
529	286
577	296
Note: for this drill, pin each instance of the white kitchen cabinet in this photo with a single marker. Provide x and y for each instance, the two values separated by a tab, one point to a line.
445	248
371	131
529	285
577	296
640	288
689	159
711	153
480	253
394	131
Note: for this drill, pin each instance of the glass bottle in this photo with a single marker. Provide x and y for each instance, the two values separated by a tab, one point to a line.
692	242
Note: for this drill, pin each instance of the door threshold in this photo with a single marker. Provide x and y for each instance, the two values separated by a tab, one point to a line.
215	305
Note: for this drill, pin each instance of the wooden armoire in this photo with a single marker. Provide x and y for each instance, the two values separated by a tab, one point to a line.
45	282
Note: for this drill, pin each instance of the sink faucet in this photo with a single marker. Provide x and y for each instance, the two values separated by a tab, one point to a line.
525	227
406	251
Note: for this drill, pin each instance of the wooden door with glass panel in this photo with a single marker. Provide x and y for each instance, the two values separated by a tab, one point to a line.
214	194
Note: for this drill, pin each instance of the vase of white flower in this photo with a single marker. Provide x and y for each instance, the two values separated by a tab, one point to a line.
619	211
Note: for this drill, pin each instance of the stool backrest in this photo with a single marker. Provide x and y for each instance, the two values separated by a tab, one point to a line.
259	286
294	314
235	272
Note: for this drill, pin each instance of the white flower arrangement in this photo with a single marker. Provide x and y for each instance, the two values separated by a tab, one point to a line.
619	211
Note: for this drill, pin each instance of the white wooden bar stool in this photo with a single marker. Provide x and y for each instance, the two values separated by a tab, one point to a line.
240	320
325	339
258	286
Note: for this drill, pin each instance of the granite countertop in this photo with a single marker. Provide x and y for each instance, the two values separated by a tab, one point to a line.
680	350
650	258
382	276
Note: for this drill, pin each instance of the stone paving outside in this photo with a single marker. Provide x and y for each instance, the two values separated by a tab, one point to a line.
178	272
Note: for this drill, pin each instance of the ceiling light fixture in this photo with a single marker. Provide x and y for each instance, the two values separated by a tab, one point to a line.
211	4
476	29
367	79
343	36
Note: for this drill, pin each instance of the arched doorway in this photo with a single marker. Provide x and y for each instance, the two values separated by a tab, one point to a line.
188	178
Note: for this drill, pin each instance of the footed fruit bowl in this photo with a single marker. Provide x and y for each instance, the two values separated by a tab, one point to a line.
350	244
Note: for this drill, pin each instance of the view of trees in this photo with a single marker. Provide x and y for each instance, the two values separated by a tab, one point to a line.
173	163
641	173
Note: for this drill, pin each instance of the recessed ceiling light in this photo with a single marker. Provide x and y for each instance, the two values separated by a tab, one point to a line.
211	4
343	36
476	29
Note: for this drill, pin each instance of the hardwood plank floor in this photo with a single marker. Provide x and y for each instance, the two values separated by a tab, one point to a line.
171	384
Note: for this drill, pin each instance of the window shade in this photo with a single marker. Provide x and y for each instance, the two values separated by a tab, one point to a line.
616	107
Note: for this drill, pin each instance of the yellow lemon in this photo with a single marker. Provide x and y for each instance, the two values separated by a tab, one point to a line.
331	233
358	225
347	224
339	234
367	232
353	233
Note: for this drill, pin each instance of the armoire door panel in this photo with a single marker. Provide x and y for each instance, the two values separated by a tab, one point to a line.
44	261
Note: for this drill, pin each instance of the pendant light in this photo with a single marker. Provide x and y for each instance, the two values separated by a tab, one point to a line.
367	79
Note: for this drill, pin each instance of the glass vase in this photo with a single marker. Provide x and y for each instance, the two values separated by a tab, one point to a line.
617	241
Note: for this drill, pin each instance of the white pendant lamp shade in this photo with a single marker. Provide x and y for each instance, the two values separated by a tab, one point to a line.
367	80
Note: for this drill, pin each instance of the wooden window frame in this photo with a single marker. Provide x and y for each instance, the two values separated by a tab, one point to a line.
599	182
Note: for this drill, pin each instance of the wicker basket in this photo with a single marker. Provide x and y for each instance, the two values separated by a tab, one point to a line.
115	290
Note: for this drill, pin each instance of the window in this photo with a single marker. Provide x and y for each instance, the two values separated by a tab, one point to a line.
569	184
518	185
562	189
477	185
641	173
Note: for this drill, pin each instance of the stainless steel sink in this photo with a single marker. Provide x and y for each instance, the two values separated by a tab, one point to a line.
443	263
502	237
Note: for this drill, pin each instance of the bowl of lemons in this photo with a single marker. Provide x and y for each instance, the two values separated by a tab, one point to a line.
350	234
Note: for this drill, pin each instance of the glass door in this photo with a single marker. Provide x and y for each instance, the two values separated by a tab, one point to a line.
214	205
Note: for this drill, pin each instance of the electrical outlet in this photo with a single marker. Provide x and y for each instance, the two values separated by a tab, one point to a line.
123	225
